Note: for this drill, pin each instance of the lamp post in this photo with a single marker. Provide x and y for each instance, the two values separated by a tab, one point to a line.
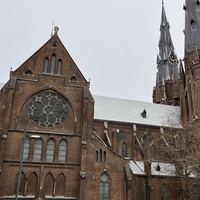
21	163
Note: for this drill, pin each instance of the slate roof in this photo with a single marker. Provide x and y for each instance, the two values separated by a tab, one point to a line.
165	169
137	167
123	110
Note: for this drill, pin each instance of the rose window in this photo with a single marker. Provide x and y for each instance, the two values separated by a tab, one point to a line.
48	109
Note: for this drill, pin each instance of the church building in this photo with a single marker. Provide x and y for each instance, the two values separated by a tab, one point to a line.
59	141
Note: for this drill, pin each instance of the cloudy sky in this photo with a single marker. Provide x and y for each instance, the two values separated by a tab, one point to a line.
113	42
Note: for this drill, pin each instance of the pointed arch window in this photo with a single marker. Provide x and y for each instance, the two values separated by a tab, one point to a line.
195	193
124	149
164	192
104	187
26	149
122	135
104	156
151	139
153	152
48	184
97	156
191	102
50	150
46	64
59	68
32	184
53	63
60	185
22	184
62	154
100	155
37	155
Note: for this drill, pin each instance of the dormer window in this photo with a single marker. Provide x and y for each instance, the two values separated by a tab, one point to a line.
193	24
144	114
198	4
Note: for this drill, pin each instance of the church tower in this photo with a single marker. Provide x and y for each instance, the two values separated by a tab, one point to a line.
190	79
166	89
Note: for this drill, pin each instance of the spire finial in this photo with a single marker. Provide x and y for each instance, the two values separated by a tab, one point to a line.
52	29
56	29
162	2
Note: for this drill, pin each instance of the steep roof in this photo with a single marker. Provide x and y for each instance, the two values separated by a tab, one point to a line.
130	111
167	61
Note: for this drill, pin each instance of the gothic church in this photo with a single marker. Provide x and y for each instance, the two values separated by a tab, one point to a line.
58	141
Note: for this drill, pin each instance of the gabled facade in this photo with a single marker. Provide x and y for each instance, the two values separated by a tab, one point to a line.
79	146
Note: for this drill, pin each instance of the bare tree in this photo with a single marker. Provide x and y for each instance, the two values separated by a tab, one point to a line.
182	147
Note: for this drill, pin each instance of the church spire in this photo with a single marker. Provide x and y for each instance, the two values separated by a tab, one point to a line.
192	25
166	89
167	60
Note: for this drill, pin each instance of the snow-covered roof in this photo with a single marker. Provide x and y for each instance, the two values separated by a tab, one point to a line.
157	168
163	169
137	167
123	110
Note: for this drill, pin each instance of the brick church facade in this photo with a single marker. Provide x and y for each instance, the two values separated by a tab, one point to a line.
74	145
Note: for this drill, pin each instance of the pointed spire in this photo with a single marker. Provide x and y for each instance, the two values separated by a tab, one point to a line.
166	59
192	25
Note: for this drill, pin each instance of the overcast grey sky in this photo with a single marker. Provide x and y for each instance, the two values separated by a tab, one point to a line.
113	42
